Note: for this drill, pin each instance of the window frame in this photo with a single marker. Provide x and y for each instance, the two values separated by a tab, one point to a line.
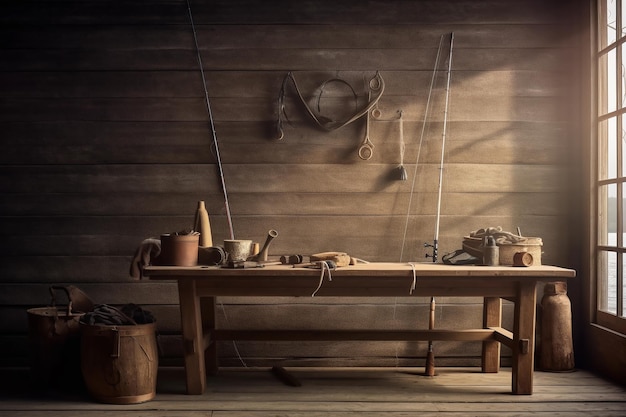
608	110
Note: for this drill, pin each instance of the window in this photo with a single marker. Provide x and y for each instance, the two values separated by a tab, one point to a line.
611	175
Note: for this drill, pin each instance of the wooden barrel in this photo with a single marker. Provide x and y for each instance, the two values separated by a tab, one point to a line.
119	363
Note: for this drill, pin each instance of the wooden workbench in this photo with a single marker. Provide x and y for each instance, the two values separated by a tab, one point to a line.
516	284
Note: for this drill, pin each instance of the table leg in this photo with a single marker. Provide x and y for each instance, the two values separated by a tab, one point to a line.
207	306
193	344
492	317
524	338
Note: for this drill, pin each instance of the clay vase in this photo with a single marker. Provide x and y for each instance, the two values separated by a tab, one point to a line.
202	225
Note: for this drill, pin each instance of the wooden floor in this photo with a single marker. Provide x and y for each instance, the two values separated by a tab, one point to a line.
344	392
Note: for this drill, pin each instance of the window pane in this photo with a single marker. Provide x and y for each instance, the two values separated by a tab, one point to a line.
607	89
623	31
607	149
611	21
622	235
622	294
622	84
606	29
607	215
606	83
622	143
607	281
611	155
611	75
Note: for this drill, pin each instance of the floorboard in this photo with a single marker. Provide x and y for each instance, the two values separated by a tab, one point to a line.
343	392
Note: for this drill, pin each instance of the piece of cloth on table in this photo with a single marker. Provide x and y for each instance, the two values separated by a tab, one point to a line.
147	251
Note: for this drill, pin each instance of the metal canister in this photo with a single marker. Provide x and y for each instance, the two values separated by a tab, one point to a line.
491	252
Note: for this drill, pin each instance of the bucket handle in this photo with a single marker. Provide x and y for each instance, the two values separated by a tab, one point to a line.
53	290
115	350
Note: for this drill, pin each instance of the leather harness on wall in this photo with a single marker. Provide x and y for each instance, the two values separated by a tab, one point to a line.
376	84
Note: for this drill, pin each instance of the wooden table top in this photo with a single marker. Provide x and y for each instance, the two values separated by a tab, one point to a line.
373	269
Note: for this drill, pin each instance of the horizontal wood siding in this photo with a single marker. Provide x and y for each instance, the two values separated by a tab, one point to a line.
106	141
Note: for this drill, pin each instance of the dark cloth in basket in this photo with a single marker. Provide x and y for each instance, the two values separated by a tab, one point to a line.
129	314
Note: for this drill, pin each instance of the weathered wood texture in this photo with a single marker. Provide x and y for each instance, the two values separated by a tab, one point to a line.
106	141
394	392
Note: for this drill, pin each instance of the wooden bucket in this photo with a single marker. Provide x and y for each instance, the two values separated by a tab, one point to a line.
54	339
119	363
54	342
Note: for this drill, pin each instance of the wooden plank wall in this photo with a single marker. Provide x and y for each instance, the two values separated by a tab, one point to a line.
106	141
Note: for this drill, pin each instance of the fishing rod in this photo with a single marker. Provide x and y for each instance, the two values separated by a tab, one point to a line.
217	157
430	356
212	123
419	148
435	245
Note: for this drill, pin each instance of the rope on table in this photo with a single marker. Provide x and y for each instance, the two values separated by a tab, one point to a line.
324	267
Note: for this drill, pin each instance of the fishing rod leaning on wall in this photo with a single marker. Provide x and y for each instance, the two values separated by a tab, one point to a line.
429	369
212	124
430	357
